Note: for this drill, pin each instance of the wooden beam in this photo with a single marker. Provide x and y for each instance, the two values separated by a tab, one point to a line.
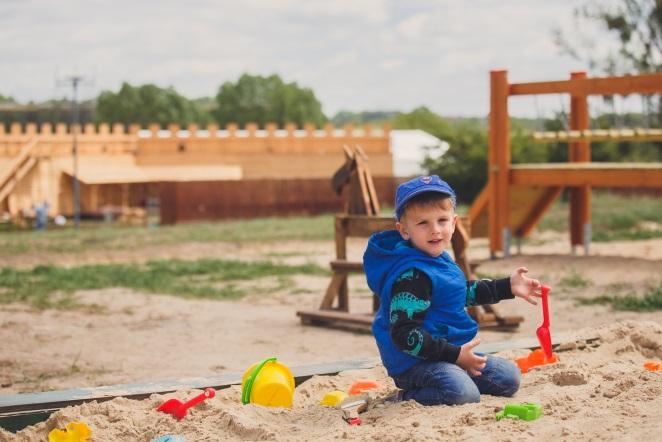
579	152
498	160
632	84
363	226
614	175
634	134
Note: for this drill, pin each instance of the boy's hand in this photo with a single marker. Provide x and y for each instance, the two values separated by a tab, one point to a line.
524	287
469	361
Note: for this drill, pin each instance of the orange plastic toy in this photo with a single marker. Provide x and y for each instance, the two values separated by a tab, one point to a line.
536	358
653	366
362	385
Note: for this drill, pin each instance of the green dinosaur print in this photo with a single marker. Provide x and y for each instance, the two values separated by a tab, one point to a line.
415	340
407	275
471	295
408	303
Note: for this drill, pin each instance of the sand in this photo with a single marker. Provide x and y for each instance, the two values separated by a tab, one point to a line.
121	336
596	391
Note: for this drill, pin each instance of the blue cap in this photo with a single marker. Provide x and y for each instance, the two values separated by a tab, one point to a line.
406	191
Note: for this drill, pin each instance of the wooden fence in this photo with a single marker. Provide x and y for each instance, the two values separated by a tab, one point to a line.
197	201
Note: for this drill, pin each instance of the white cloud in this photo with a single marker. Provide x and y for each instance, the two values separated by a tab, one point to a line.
355	54
412	27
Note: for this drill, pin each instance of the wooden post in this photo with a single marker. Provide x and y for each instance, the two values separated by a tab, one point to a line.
579	152
499	163
341	253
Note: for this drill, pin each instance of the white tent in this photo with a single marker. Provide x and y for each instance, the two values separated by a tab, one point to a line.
410	147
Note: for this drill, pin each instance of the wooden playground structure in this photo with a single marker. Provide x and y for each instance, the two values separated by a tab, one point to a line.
517	196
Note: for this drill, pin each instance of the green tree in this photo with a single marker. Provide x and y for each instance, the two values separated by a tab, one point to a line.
261	100
636	26
148	104
6	99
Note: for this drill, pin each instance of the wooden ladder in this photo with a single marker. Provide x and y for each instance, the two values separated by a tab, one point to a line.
18	168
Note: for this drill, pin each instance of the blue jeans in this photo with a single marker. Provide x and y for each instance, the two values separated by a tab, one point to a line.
435	383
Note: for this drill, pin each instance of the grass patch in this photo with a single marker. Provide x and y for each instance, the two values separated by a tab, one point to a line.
574	280
95	237
52	287
614	217
650	301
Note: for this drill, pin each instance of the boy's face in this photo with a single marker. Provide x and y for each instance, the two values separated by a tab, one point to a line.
429	228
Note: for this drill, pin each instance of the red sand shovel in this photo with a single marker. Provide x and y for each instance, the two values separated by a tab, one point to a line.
543	333
179	409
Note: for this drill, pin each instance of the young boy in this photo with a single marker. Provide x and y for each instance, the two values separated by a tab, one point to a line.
424	334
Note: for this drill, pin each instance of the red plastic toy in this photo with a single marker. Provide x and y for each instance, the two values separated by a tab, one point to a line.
544	336
543	355
362	385
534	359
653	366
179	409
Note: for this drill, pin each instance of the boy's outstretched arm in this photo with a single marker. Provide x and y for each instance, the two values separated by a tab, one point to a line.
410	301
488	291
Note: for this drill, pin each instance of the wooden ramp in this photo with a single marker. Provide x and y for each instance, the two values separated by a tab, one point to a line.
527	206
17	169
534	187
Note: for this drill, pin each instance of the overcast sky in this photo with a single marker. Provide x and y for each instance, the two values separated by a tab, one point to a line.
355	54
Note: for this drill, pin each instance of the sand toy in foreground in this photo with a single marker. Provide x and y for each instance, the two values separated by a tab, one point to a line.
525	412
543	355
544	336
268	383
653	366
179	409
75	432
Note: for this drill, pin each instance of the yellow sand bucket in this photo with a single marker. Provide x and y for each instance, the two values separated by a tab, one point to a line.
268	383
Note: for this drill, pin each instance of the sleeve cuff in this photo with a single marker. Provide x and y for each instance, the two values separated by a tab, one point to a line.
503	288
451	353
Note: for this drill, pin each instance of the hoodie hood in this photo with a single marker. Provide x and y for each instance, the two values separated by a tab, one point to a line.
385	254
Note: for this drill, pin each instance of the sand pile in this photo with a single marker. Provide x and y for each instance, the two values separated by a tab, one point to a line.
600	390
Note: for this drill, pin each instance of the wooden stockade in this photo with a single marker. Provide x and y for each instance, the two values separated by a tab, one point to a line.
122	169
360	220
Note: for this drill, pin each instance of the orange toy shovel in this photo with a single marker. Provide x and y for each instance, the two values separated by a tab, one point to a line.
543	333
179	409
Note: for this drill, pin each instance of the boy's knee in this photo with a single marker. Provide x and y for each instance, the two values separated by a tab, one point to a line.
464	396
511	379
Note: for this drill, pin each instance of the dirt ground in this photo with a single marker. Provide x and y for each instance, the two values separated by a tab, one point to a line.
122	336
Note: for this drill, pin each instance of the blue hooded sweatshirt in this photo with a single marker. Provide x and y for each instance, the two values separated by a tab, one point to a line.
385	259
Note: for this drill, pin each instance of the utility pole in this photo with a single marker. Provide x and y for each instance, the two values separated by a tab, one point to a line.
74	81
